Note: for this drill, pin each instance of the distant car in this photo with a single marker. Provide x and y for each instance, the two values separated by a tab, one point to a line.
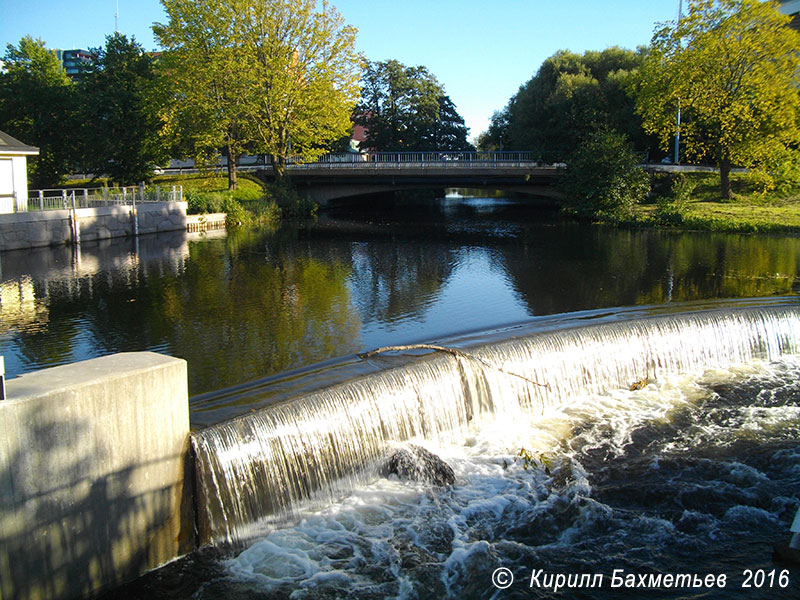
666	160
158	171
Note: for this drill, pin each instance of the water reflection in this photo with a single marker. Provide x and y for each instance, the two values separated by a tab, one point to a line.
258	303
575	268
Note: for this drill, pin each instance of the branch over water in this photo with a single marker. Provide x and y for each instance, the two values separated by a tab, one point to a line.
454	352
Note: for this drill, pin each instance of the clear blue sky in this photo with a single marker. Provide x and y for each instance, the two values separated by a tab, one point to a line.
482	51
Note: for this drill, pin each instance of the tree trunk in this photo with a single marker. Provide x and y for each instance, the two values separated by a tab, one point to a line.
232	181
278	167
725	177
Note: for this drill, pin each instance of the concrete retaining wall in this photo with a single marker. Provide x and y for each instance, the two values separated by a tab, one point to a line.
207	222
92	463
54	227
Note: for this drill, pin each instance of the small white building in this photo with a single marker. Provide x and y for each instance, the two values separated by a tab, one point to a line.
14	173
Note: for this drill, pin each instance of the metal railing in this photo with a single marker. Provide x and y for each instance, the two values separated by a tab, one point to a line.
351	160
66	199
446	159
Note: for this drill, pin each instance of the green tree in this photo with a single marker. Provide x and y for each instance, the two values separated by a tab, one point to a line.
277	77
570	96
37	106
119	93
306	72
496	137
448	131
405	108
208	111
731	67
603	179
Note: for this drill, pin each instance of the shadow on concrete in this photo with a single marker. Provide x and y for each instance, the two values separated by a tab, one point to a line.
68	530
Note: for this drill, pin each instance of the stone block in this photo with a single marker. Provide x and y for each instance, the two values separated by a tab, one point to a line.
92	464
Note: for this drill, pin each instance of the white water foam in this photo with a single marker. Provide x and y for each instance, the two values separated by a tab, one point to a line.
406	540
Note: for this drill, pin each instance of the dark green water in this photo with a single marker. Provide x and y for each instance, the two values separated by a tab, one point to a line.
257	303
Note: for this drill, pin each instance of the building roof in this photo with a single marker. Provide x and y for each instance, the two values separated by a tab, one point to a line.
10	145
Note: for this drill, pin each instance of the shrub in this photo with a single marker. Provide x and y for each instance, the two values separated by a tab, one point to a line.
264	210
236	215
292	204
603	180
204	202
672	209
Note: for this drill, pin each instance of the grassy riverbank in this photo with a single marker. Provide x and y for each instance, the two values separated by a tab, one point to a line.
702	208
252	202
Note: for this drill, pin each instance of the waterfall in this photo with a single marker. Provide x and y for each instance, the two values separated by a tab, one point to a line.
258	469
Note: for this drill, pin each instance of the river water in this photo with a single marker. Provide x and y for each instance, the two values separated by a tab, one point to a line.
698	472
254	304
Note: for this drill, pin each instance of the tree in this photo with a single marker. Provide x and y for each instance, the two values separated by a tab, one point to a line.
603	179
448	131
277	77
495	138
37	105
306	77
570	97
405	108
119	92
731	67
208	110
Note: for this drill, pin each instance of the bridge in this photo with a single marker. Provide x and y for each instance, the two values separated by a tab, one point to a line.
342	175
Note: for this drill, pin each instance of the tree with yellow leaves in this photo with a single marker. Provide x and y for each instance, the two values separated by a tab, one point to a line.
732	67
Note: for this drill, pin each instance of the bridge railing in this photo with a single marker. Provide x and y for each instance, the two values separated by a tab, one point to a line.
446	159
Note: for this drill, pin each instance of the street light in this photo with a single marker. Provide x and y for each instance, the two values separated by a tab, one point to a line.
678	119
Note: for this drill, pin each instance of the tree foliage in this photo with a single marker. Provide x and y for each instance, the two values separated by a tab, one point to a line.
37	105
306	75
120	103
731	67
277	77
603	179
406	108
208	111
570	97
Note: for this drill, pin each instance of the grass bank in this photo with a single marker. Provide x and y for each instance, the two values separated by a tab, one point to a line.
694	202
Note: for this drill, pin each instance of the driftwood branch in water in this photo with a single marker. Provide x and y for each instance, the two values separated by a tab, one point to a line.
454	352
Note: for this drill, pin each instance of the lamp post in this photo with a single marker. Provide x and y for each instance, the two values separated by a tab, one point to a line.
678	119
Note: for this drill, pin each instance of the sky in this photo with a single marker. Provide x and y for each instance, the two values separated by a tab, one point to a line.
481	51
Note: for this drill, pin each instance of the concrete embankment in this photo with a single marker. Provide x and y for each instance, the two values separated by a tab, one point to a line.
56	227
94	483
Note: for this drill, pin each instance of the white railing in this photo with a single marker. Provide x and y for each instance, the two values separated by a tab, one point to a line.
66	199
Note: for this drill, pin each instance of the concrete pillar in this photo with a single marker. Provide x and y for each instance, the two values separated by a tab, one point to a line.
92	463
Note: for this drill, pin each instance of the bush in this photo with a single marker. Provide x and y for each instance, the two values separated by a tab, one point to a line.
292	204
235	214
199	203
672	209
603	180
264	210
